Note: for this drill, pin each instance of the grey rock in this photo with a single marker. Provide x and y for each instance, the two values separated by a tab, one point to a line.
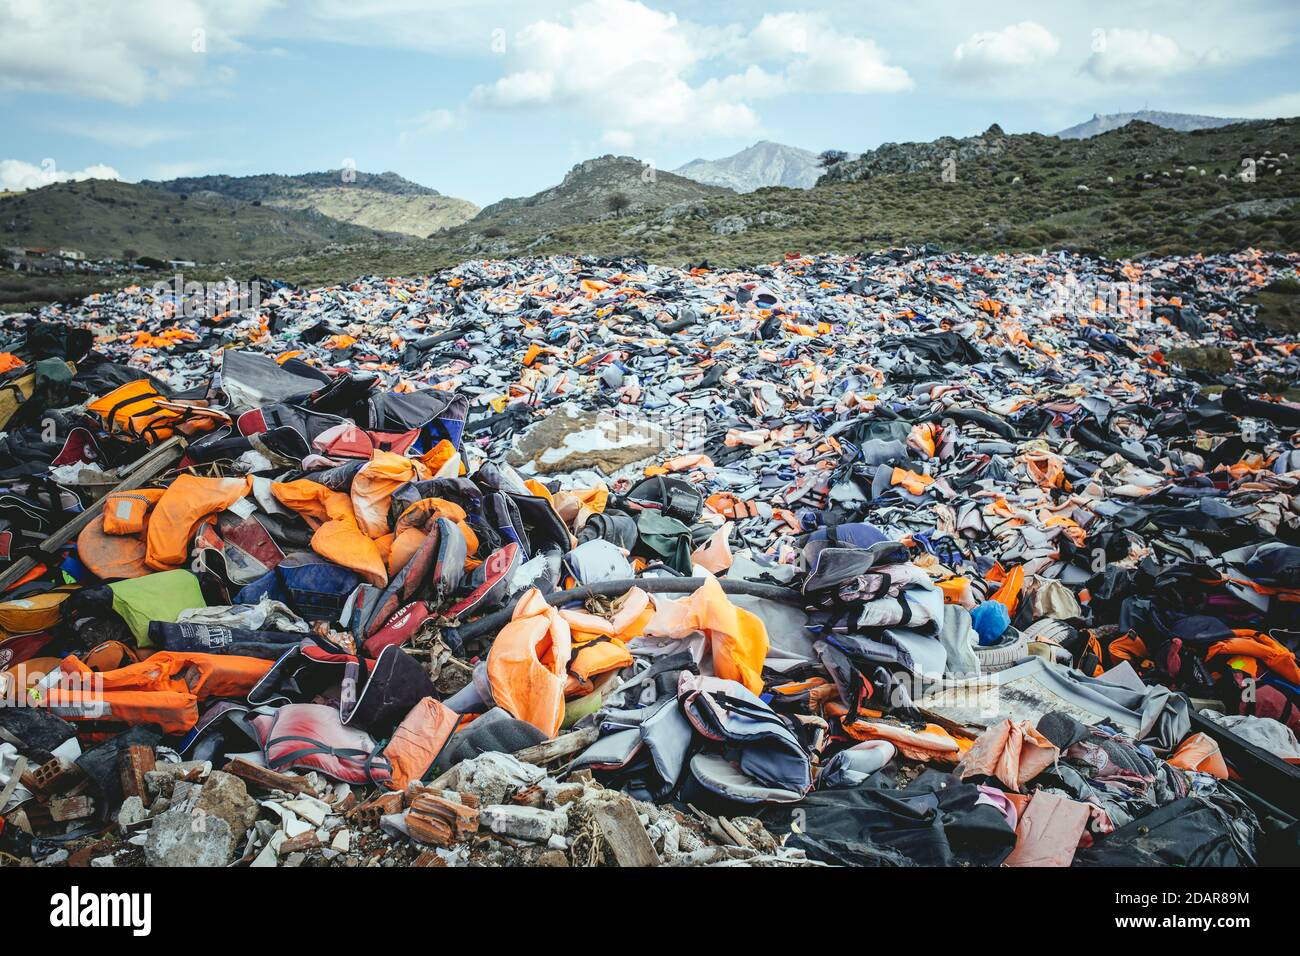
730	225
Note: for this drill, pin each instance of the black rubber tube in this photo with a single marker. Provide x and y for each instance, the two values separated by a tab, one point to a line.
498	619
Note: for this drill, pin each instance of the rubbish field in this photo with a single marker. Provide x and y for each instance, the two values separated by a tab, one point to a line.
905	559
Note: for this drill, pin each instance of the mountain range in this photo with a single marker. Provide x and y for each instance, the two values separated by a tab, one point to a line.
763	164
1142	187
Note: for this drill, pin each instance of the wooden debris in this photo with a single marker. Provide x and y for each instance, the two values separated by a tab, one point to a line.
736	837
621	829
268	779
562	746
16	773
132	764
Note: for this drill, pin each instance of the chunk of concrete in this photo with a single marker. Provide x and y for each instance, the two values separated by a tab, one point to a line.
524	823
181	838
495	777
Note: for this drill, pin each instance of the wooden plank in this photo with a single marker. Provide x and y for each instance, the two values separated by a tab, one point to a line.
145	470
733	834
15	776
540	755
153	464
562	746
622	831
268	779
132	764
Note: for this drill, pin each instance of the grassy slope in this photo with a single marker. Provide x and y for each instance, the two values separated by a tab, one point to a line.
982	211
385	202
103	218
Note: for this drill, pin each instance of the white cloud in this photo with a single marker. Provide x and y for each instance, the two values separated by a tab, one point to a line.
639	69
1124	56
122	134
122	52
1276	106
430	123
524	88
618	139
994	53
823	59
442	26
18	175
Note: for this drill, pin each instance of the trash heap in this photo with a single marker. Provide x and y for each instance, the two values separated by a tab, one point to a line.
915	558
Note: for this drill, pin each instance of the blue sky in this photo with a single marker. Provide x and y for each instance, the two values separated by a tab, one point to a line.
486	99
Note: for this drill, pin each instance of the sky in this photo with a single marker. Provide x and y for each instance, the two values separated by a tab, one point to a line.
484	99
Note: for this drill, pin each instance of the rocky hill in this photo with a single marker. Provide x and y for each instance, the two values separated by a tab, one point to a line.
380	201
604	187
895	158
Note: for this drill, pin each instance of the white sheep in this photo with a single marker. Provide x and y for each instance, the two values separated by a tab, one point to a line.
1083	188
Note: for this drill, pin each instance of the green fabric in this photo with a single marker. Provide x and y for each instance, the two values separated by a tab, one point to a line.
155	597
666	539
580	707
